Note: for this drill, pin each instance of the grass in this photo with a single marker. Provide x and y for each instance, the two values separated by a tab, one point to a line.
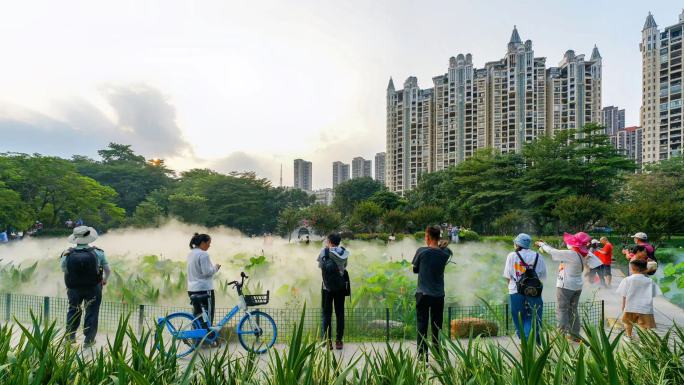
39	355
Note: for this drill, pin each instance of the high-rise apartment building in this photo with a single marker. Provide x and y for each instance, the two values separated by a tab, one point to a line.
302	174
630	143
613	119
518	96
574	91
340	173
409	134
362	168
380	167
503	105
661	106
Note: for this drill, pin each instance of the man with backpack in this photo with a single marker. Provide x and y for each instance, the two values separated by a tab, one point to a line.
525	271
332	261
86	270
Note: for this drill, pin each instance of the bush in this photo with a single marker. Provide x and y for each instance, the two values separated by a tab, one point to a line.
375	236
461	328
468	236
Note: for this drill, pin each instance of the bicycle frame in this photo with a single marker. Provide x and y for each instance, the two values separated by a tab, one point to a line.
201	333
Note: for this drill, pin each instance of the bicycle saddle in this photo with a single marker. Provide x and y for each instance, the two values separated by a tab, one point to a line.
198	297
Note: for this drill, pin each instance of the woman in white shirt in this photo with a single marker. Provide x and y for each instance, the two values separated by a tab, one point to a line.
525	310
569	281
201	275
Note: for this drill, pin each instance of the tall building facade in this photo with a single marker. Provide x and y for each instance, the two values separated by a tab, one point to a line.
613	119
380	167
661	106
409	134
503	105
362	168
630	142
302	174
340	173
574	91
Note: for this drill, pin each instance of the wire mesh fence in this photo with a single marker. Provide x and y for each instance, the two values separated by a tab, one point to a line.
361	324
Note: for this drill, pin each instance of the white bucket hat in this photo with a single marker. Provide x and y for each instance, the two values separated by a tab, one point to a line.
83	235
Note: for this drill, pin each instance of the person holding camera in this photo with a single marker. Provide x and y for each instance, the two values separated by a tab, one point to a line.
569	282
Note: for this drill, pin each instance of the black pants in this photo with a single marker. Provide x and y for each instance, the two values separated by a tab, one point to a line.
328	299
429	311
208	303
90	298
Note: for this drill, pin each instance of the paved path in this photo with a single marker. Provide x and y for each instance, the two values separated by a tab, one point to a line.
666	313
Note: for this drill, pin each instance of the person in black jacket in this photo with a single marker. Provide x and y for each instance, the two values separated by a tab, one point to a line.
429	263
335	286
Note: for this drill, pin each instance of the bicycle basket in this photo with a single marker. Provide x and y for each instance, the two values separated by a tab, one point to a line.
256	299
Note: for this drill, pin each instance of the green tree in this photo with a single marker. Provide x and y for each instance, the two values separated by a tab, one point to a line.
425	216
395	221
512	222
13	211
580	213
651	203
323	219
387	200
189	208
126	172
288	221
366	216
55	191
570	163
147	214
348	194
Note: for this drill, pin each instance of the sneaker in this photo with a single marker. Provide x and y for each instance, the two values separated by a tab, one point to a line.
89	344
329	345
339	345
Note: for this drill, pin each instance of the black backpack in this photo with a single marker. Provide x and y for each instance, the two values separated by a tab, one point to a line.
529	283
82	268
333	279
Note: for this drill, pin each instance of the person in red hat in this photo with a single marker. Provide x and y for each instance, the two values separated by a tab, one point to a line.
569	281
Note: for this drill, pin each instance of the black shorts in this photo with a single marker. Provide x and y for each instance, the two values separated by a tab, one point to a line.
605	270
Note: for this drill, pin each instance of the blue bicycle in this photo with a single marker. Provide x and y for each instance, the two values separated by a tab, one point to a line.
256	330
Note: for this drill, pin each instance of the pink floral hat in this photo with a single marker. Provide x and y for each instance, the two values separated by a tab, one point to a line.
579	240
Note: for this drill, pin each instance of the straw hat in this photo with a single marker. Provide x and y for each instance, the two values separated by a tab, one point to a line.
83	235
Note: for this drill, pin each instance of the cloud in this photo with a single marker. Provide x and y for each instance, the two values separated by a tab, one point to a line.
263	166
142	117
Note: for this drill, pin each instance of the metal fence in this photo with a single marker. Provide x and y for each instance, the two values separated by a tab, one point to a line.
361	324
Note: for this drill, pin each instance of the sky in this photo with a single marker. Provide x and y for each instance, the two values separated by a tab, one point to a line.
238	85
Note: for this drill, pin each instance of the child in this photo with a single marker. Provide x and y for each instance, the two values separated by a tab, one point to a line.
637	292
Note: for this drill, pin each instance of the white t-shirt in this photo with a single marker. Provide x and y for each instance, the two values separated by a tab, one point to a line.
200	271
514	269
639	290
571	267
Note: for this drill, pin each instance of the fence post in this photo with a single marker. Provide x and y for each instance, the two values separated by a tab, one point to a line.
449	321
387	324
46	310
141	317
603	312
508	313
8	305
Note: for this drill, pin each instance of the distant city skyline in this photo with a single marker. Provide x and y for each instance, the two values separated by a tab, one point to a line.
250	86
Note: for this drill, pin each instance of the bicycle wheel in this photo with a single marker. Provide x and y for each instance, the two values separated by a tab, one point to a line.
257	332
179	333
